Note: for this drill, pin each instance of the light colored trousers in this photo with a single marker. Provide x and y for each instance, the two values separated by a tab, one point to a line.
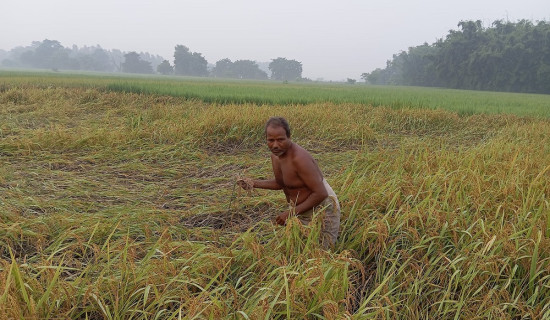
331	217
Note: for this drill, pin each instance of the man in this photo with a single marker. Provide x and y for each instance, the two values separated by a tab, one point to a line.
298	175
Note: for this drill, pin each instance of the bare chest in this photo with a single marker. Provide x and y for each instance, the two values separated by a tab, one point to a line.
288	176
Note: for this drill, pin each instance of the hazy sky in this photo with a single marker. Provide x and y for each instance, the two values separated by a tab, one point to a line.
334	40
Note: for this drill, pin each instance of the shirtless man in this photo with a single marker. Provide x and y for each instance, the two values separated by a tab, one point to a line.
298	175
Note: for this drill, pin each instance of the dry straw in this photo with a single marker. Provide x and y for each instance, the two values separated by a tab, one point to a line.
122	205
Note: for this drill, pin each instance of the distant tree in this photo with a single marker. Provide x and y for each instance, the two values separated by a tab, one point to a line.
223	69
285	70
85	62
28	58
99	60
117	58
189	63
155	60
416	65
377	76
508	56
247	69
165	68
133	64
351	81
48	54
240	69
381	76
264	66
51	54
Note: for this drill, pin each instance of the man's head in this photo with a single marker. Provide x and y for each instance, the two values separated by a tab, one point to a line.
278	122
277	134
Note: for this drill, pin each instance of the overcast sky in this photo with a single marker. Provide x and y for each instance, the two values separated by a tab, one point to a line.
334	40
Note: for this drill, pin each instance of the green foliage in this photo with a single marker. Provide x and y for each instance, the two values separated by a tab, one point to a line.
240	69
165	68
285	70
507	56
98	60
134	64
49	54
187	63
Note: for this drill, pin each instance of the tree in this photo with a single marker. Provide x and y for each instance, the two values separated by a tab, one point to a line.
48	54
51	54
378	76
507	56
189	63
416	65
247	69
223	69
97	61
133	64
285	70
240	69
165	68
101	60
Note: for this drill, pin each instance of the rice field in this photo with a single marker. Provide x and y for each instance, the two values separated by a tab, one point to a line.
216	91
119	203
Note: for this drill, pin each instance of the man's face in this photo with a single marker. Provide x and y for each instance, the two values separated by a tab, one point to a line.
277	141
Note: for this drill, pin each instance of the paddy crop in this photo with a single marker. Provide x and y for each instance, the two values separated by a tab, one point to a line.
219	91
123	205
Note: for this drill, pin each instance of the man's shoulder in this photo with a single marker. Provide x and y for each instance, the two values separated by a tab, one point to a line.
300	154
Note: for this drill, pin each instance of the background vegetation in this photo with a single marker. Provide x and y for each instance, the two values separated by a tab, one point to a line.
508	56
50	54
118	204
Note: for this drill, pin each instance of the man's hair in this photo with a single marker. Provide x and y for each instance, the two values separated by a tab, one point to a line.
278	122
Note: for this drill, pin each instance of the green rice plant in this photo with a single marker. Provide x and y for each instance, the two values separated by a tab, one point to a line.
215	91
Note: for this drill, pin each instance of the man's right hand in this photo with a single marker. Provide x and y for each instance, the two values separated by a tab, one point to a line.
245	183
281	219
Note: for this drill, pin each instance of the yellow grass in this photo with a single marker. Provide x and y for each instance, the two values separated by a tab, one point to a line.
119	205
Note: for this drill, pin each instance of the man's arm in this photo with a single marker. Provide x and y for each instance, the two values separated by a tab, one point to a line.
270	184
311	176
249	184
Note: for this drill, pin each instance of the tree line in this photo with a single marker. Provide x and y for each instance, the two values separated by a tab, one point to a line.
507	56
50	54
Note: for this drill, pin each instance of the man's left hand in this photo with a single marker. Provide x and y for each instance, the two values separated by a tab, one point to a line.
281	219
